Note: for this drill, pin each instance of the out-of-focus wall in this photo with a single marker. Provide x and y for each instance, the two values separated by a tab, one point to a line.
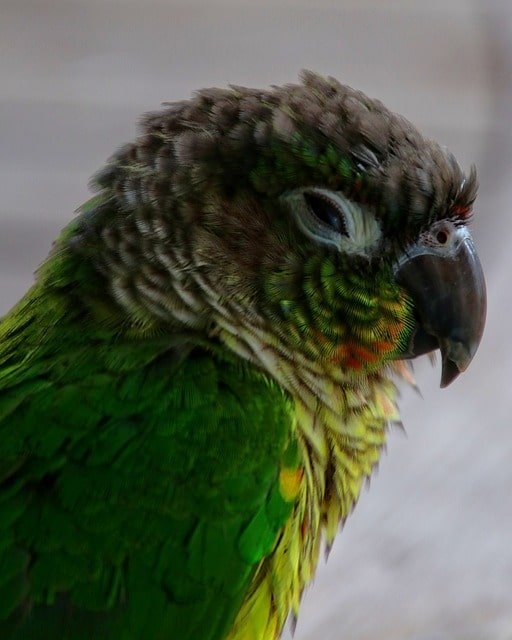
427	553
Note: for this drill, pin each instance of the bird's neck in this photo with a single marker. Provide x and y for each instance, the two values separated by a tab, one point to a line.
341	424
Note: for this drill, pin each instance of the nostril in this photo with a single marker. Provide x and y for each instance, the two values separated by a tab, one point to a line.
442	237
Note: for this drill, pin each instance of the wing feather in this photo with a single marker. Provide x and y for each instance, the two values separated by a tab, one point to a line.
139	483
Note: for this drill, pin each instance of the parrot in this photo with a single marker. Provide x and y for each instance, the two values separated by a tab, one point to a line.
204	373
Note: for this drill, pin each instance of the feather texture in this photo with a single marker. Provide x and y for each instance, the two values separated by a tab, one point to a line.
194	391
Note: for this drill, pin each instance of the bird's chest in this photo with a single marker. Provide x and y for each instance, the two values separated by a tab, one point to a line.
339	451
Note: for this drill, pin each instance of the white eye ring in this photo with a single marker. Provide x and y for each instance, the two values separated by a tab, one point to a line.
361	233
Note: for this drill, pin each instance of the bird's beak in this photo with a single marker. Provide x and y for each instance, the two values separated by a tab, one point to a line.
444	277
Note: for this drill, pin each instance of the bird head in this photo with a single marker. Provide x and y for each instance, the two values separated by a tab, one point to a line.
302	220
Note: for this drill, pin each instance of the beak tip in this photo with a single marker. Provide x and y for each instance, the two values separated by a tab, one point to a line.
449	373
457	357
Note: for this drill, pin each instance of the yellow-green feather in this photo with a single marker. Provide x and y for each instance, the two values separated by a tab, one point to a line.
339	451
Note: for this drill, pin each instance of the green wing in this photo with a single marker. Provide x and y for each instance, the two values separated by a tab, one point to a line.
139	483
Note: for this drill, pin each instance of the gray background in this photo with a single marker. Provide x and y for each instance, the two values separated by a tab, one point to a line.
427	555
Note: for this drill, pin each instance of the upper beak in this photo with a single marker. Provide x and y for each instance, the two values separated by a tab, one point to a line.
444	277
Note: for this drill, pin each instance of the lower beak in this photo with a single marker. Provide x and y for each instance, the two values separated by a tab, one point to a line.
447	286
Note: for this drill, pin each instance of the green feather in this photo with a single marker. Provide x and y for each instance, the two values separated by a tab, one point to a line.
127	459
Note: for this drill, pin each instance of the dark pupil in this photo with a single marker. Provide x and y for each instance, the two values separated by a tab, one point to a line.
325	212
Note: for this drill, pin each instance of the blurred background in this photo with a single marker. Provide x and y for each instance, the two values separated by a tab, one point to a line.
427	555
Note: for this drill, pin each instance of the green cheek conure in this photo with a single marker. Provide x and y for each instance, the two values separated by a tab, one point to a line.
199	382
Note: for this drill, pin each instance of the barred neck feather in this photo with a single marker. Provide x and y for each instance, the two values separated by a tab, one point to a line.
340	419
341	426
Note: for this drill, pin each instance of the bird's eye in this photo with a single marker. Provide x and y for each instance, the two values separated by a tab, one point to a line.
330	218
325	211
